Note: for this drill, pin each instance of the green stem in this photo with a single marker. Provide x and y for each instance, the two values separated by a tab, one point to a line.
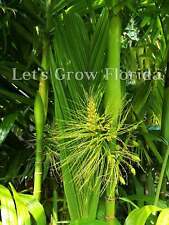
54	218
39	124
162	174
38	170
113	100
165	135
40	111
113	86
43	83
110	205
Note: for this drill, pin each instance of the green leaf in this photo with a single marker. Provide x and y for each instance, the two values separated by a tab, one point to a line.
128	201
16	208
6	126
15	97
163	218
140	216
8	212
147	199
115	221
140	98
99	42
35	208
22	211
88	222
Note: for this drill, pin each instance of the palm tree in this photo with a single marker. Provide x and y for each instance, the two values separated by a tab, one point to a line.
92	128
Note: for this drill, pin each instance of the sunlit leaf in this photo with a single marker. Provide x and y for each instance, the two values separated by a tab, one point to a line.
6	125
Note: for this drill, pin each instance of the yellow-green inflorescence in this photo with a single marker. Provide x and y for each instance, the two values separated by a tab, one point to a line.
88	137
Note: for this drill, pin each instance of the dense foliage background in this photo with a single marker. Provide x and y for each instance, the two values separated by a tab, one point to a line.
84	112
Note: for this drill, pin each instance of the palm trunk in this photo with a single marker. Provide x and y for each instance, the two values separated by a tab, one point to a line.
43	84
40	111
113	100
113	86
110	204
39	124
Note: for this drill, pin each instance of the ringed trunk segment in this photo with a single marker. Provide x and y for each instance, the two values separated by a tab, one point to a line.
113	101
39	125
40	113
113	84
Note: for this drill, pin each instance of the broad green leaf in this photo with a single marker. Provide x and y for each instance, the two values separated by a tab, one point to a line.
22	211
8	212
147	199
99	42
82	6
16	208
27	36
140	216
139	191
150	144
6	126
15	97
140	98
88	222
163	218
35	208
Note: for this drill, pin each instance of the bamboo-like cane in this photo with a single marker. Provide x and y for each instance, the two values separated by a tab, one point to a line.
39	124
113	100
40	113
